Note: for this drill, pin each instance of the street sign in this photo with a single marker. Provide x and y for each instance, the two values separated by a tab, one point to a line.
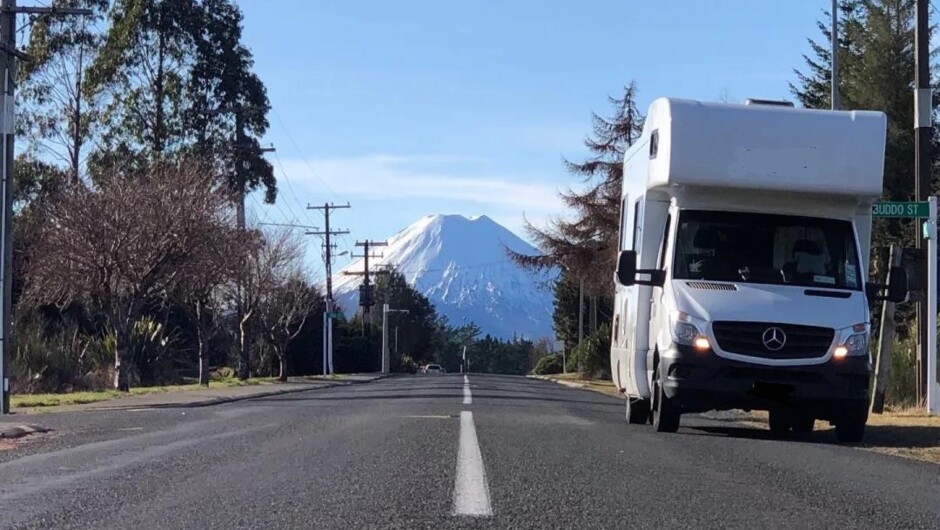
335	314
909	210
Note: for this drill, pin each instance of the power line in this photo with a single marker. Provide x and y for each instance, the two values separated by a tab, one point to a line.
291	186
307	227
259	210
301	155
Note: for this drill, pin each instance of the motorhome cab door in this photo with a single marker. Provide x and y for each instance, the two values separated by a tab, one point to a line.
644	229
625	336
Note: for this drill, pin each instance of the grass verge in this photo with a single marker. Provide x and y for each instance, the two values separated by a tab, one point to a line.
79	398
909	433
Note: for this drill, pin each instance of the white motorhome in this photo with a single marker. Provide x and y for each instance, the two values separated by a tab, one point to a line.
744	254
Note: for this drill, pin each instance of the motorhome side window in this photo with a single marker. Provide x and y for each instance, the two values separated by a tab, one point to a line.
623	224
769	249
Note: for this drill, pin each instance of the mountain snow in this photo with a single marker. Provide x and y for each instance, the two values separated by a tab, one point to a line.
460	264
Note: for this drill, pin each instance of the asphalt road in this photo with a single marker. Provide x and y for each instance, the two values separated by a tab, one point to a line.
434	452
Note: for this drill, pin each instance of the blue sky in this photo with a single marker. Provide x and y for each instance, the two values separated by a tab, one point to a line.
410	107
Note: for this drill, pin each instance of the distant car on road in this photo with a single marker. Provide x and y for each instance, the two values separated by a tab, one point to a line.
434	369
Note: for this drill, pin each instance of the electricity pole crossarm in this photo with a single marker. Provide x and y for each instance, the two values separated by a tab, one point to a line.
8	55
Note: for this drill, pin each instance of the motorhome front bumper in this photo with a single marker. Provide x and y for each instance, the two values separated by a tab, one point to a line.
700	381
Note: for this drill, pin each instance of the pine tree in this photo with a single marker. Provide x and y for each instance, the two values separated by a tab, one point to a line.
142	66
176	73
222	78
876	71
587	244
565	313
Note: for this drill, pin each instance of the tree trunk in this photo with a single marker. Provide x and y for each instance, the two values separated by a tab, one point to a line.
203	367
160	90
121	370
201	342
282	373
243	354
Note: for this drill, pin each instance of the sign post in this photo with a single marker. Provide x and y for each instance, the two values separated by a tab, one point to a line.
933	387
926	210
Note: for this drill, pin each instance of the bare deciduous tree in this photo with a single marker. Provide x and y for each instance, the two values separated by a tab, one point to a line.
274	256
204	277
124	243
282	314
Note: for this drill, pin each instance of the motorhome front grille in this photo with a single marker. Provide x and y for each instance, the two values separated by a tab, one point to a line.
708	286
773	341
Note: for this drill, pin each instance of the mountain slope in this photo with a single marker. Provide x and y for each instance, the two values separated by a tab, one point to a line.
460	264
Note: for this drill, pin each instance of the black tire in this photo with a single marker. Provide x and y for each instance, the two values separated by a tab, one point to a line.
851	430
666	415
803	425
638	411
779	424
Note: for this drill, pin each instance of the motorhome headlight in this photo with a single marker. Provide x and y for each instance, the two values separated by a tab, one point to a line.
853	341
687	330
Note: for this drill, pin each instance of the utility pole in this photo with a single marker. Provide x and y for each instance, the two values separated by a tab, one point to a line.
366	300
923	131
328	247
835	97
8	55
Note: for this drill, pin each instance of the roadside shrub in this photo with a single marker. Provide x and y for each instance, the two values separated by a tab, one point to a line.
548	364
592	357
148	354
51	360
408	365
902	384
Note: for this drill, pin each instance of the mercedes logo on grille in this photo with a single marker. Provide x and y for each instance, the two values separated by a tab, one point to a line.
774	339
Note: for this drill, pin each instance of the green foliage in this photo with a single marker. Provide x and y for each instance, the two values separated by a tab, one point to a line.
448	343
416	328
902	385
494	356
592	357
46	361
149	352
549	364
61	117
876	68
408	365
354	352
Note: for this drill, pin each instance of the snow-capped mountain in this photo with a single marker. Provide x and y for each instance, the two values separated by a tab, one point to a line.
461	265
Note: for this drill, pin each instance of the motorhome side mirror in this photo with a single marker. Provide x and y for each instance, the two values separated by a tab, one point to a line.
897	288
626	268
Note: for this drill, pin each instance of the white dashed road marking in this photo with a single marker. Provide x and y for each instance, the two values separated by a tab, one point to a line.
467	398
471	493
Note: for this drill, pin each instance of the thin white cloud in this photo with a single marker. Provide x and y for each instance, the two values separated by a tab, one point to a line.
427	177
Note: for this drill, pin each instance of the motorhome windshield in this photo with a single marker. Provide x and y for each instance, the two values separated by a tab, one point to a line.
770	249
